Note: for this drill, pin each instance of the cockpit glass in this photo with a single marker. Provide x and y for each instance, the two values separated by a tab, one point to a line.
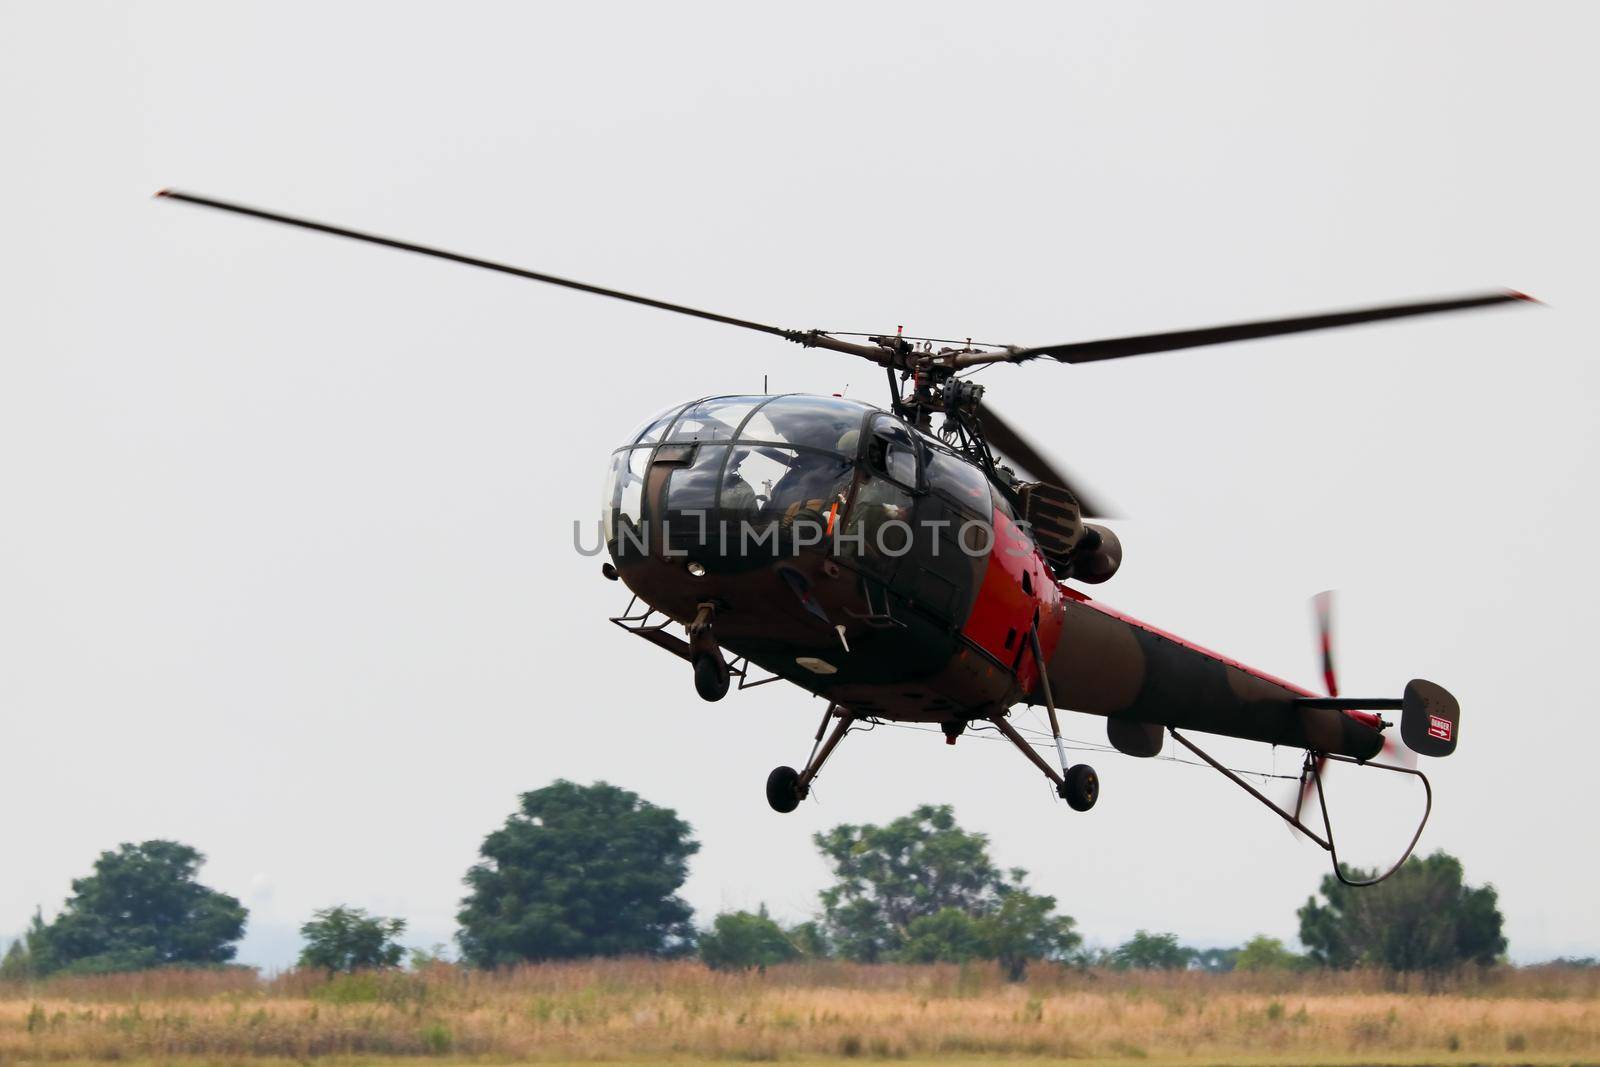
694	488
608	500
959	480
624	488
766	461
713	420
651	431
631	499
766	484
747	486
892	451
824	422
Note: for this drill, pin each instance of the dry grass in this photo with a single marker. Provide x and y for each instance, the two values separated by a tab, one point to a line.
651	1011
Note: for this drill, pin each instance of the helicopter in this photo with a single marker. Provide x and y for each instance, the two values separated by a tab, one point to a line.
911	573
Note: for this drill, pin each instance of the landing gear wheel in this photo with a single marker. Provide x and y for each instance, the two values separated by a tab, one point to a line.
783	789
710	676
1081	788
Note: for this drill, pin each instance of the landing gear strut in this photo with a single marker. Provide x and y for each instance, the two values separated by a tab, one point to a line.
787	787
1077	784
710	668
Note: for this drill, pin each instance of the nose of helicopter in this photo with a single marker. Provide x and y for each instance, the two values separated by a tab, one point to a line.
719	479
731	499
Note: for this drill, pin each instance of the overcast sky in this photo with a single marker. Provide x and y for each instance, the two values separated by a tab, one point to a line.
285	523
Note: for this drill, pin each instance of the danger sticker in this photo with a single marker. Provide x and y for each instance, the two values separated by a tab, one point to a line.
1439	728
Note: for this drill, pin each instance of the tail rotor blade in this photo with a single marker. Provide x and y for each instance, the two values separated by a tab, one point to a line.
1322	609
1308	782
1395	751
1322	605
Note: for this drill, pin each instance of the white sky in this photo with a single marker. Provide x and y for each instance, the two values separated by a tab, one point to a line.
285	563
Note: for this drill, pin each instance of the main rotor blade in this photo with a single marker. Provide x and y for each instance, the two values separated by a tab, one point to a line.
1143	344
472	261
1006	440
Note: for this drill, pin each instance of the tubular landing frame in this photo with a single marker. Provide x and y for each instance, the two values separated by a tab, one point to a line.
1311	772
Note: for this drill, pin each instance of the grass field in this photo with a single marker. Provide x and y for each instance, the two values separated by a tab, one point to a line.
644	1011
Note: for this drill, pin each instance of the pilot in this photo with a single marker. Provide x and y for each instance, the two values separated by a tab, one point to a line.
816	486
737	495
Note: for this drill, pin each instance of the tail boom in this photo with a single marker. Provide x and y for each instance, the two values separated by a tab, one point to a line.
1109	663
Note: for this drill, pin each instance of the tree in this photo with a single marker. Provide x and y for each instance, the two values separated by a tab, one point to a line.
27	957
579	870
435	955
348	939
739	940
34	959
15	967
923	889
1423	918
890	876
949	935
142	907
1145	951
811	939
1263	953
1025	927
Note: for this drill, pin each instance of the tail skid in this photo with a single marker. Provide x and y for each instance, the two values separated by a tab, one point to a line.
1430	722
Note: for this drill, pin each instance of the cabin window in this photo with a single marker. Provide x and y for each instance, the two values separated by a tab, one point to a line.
608	500
623	503
960	481
651	431
779	483
624	493
893	451
716	419
829	423
631	499
693	488
878	501
1001	504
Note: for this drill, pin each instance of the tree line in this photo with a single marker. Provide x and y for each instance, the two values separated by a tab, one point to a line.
594	870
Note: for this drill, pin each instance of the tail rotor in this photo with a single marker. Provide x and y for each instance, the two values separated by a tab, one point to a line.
1316	765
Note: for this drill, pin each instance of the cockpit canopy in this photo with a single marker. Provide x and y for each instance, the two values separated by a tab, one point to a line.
832	424
775	459
743	457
